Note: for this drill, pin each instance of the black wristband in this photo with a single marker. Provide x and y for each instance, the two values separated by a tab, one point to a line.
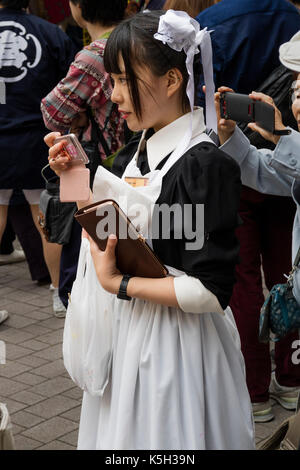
122	294
282	132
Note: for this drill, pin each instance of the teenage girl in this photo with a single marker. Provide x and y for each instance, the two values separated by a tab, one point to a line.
177	373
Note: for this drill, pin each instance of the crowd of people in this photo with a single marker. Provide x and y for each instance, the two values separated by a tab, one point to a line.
185	368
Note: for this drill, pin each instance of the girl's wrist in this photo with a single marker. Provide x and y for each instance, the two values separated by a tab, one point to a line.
115	285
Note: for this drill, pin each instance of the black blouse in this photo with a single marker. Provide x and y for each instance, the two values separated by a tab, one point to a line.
203	175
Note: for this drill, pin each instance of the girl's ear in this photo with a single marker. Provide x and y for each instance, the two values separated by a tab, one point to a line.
174	81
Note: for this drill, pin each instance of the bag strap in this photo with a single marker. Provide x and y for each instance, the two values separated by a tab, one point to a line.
294	268
297	259
55	177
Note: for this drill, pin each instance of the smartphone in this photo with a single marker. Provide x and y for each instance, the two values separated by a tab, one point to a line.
264	115
75	184
72	149
236	107
241	108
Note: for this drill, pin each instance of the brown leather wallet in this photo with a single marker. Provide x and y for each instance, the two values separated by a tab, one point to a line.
134	256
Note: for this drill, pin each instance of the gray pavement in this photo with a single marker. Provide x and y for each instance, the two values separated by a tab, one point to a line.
43	402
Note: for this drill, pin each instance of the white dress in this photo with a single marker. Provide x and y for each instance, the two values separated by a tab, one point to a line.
177	379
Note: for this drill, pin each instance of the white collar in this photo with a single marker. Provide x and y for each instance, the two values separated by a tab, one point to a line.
163	142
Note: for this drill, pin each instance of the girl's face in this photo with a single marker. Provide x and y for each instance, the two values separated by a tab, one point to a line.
296	101
157	104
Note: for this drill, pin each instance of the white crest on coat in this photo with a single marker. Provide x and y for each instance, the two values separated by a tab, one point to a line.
12	51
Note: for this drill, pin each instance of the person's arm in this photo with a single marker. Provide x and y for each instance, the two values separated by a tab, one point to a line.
259	168
160	291
264	170
184	292
211	179
86	79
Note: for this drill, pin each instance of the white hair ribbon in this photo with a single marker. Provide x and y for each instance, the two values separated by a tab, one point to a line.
181	32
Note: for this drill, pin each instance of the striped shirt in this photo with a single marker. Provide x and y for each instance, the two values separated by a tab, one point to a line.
86	84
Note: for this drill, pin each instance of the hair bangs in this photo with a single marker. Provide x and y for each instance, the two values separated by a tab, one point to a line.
116	47
122	44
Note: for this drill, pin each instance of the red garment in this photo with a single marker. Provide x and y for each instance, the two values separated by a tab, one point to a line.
57	11
266	237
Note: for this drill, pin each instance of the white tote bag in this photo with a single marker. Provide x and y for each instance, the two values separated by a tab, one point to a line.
87	341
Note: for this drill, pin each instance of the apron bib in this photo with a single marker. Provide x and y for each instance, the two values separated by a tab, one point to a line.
133	200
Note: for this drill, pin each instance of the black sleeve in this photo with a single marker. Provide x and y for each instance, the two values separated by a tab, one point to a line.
208	176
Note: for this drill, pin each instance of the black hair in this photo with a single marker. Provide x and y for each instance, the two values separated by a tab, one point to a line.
106	12
15	4
134	40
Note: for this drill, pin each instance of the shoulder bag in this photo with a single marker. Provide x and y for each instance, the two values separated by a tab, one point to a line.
280	313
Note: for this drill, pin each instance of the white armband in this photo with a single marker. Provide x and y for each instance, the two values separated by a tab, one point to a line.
193	297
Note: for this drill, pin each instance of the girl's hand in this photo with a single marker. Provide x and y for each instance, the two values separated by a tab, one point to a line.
50	138
278	118
58	162
105	264
226	127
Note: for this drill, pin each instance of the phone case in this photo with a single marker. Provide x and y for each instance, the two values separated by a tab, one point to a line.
72	149
241	108
134	256
237	107
264	116
75	184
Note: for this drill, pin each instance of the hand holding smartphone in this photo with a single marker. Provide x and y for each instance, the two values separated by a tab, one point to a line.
241	108
75	181
72	149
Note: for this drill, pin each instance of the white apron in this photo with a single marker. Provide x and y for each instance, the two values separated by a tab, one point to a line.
177	379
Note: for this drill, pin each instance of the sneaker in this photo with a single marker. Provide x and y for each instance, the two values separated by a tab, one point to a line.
58	307
262	412
3	315
15	257
285	396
